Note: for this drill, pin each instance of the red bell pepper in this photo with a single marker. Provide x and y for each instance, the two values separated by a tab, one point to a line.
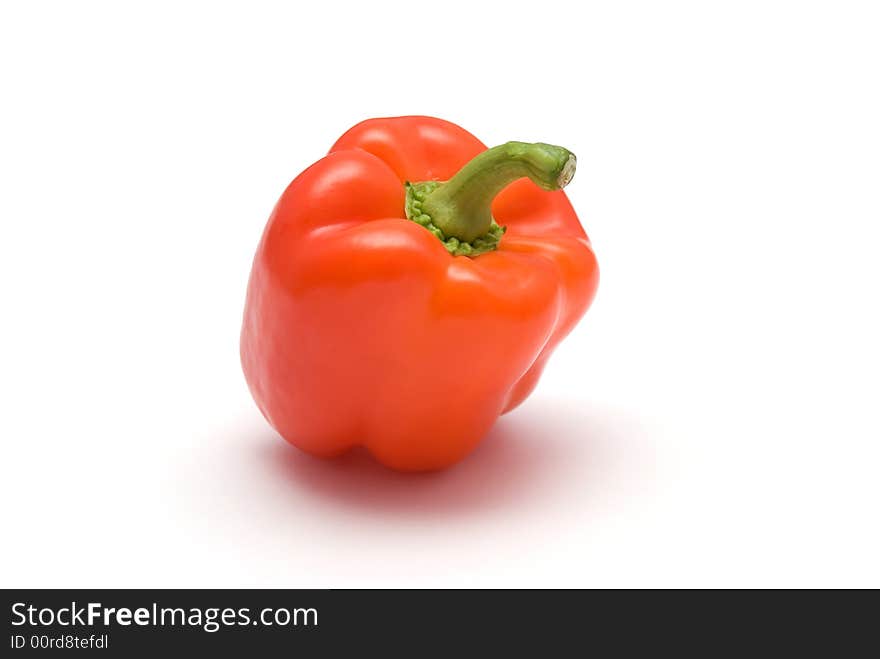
409	288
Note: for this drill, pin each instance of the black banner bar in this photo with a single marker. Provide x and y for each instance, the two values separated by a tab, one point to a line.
134	622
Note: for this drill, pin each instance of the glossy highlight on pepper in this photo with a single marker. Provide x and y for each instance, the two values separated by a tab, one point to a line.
409	288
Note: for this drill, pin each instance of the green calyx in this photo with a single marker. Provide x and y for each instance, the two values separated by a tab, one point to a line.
458	211
415	197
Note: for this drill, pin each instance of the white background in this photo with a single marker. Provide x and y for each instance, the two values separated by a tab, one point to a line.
713	421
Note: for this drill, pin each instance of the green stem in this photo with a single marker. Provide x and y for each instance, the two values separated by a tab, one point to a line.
462	207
